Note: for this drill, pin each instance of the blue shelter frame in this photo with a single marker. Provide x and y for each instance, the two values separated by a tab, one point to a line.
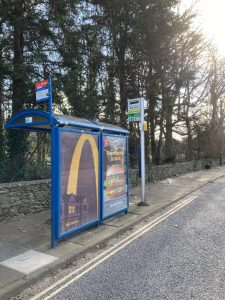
38	120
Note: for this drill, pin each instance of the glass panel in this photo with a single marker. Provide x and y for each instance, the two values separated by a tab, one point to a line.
79	180
115	174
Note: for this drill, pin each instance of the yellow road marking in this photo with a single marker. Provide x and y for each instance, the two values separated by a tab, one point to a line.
80	272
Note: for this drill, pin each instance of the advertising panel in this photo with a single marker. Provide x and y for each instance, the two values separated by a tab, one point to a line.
115	174
79	180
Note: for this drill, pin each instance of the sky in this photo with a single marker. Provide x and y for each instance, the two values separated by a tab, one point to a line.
211	17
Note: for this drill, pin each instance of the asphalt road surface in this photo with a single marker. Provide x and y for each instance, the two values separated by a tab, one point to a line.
183	257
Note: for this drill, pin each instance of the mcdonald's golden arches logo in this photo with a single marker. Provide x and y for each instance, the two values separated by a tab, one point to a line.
75	164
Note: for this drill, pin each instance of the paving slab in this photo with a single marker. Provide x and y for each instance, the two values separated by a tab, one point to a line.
121	219
28	261
64	249
94	235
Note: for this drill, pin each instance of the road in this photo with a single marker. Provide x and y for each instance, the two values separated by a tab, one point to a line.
182	257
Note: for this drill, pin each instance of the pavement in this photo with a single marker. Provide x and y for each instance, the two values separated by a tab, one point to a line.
25	253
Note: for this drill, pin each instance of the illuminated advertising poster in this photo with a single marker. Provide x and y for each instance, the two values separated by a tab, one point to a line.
79	180
115	175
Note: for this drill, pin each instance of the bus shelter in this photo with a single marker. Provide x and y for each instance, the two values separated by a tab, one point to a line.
89	175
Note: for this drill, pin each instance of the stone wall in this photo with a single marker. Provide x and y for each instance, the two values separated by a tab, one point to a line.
157	173
22	198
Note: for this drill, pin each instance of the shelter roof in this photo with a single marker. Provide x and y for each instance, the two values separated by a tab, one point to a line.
38	120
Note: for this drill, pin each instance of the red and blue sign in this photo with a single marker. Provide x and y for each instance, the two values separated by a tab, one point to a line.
42	90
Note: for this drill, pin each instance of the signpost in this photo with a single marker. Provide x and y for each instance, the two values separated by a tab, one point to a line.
43	90
136	114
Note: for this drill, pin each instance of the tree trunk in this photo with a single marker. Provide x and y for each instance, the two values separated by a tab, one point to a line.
189	140
17	141
2	142
110	113
159	145
122	84
169	147
151	111
189	154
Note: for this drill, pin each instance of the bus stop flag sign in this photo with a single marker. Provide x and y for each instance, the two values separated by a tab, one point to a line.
134	109
42	91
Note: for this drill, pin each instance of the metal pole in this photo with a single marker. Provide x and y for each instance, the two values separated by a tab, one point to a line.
142	153
53	168
50	99
142	143
53	187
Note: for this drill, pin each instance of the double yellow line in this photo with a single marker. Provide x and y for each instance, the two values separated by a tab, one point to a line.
61	284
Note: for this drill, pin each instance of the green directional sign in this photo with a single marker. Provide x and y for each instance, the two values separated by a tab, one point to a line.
135	115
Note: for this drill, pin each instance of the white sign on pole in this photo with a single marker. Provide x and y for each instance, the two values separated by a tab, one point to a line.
134	104
42	90
42	94
136	113
134	109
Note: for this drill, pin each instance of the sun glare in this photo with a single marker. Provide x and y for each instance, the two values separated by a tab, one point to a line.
211	18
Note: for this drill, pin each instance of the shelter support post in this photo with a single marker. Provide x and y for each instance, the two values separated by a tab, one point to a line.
54	175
